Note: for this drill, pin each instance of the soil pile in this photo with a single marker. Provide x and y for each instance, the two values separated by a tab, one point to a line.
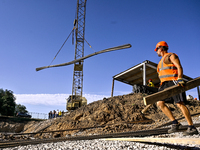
116	114
10	126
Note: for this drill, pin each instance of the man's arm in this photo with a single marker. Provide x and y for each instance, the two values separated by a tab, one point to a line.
175	60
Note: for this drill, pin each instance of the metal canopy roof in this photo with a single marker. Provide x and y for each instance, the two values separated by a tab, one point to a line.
141	73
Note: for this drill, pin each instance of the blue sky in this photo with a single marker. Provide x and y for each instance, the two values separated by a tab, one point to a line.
33	31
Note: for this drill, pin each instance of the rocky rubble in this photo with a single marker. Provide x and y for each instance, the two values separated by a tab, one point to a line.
11	137
114	114
11	126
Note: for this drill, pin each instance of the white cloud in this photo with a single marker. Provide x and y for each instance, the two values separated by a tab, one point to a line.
43	103
60	99
45	99
52	99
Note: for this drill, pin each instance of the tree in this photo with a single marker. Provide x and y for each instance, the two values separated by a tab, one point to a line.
7	102
20	108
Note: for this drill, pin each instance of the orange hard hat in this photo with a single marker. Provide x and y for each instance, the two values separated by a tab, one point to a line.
161	43
150	80
195	98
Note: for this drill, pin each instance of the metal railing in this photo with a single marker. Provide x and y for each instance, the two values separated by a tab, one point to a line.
38	115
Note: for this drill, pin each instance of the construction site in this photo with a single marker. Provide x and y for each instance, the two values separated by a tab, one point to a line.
132	117
129	121
99	120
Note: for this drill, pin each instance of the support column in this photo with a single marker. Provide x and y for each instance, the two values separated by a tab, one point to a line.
112	87
144	73
198	91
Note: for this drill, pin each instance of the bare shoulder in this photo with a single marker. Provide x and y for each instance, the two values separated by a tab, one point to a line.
170	58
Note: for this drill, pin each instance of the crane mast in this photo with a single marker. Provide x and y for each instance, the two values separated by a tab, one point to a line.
79	24
76	100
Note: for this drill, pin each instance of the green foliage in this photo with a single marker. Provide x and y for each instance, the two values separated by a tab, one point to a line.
20	108
7	102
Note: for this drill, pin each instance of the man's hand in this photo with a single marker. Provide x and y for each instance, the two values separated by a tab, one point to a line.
181	82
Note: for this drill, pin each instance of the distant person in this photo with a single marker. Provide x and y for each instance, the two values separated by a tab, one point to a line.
150	83
60	113
170	73
54	113
57	112
50	115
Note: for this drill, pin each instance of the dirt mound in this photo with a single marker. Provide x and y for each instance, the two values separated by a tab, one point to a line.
9	126
116	114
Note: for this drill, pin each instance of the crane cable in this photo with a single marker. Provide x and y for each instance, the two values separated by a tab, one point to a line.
62	46
89	45
72	32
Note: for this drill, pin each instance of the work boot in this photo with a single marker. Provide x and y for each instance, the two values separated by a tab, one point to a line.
191	131
175	128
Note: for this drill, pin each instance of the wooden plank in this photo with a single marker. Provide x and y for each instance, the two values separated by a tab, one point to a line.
146	108
171	91
195	141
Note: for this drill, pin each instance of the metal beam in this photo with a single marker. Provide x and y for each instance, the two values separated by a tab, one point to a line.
77	86
112	87
160	140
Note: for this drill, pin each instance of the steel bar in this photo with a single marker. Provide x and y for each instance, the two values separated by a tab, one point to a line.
85	57
159	140
141	133
101	126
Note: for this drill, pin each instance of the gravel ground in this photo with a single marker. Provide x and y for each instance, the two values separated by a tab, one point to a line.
99	144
